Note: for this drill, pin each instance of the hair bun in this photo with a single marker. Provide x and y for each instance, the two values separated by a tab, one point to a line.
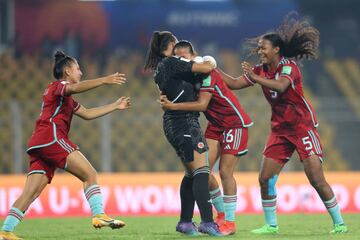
59	55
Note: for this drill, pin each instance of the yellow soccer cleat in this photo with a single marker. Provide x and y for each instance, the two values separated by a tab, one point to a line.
8	236
102	220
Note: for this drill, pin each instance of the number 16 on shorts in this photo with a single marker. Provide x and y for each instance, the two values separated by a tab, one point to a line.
234	141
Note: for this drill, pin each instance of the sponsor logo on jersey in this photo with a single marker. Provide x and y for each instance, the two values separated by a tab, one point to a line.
227	146
311	153
286	70
206	82
201	145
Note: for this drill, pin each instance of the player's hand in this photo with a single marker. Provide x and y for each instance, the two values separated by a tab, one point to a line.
116	78
165	102
248	70
122	103
210	60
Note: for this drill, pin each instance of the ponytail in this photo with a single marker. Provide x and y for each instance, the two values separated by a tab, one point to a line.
60	62
158	44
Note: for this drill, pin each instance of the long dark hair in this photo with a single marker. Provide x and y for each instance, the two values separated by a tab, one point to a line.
295	37
158	44
60	62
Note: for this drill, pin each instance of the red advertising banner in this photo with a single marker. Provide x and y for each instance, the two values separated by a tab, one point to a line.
158	193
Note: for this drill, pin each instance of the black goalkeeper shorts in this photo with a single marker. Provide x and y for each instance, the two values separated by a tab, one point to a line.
185	135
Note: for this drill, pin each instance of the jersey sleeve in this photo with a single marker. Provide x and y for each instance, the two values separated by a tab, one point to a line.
208	83
290	72
76	105
180	65
60	88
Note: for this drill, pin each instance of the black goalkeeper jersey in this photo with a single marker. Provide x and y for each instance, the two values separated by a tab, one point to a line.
175	79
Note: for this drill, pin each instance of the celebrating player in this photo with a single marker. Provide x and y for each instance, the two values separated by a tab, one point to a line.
226	135
175	78
49	147
293	120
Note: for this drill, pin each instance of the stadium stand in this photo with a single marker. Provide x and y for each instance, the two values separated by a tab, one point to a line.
134	140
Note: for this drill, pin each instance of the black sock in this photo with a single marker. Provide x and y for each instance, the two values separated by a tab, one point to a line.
187	199
201	193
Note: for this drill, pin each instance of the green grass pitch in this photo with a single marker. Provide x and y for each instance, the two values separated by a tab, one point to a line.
294	226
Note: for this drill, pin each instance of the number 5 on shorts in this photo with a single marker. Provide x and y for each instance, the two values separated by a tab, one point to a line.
307	143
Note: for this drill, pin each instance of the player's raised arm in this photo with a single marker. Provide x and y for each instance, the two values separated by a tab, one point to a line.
116	78
235	82
197	106
205	67
92	113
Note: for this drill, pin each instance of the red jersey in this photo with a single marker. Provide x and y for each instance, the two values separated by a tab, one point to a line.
224	109
290	110
55	117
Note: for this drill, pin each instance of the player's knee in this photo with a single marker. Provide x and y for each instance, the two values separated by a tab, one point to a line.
91	176
269	183
225	174
263	180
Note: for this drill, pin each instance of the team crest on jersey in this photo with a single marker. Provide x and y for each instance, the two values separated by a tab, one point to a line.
206	82
286	70
201	145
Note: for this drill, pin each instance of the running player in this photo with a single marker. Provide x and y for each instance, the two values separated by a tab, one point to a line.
226	135
49	147
293	120
175	78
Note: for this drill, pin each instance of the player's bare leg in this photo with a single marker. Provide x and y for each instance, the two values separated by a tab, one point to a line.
269	173
35	184
227	166
79	166
215	192
315	174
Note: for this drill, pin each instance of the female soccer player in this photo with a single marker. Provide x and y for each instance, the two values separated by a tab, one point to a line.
226	135
293	120
49	147
175	77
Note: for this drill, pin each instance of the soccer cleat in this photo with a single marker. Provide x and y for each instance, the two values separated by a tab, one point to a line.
220	218
210	228
228	228
187	228
102	220
266	229
339	228
8	236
